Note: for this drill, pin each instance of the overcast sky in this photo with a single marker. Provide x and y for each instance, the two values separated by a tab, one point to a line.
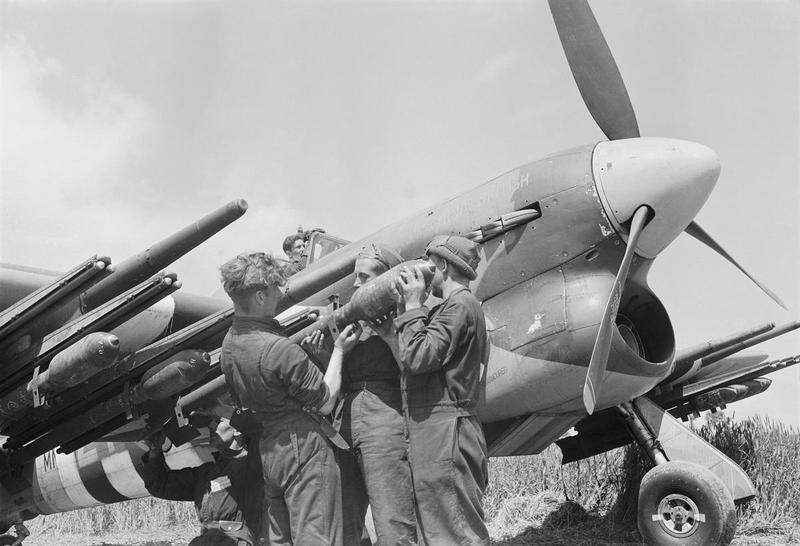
122	122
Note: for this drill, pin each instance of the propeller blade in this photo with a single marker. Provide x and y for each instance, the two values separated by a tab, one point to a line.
594	69
700	234
602	345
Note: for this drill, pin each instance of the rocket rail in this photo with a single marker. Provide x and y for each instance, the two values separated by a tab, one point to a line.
35	304
68	368
105	317
161	382
780	330
111	381
159	255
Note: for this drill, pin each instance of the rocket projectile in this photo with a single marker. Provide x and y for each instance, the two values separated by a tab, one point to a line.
730	393
78	361
173	375
71	366
373	300
168	378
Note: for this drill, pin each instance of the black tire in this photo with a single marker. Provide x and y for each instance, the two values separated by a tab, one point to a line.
672	496
7	539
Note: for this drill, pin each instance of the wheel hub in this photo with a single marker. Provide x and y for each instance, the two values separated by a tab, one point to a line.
678	515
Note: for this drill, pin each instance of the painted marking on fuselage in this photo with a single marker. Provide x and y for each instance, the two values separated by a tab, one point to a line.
61	486
49	460
537	323
97	474
50	486
119	466
522	181
93	475
69	470
497	374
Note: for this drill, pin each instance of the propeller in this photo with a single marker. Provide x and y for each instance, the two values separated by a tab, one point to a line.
700	234
602	344
594	69
601	86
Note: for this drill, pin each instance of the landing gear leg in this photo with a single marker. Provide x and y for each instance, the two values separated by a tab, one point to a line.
681	503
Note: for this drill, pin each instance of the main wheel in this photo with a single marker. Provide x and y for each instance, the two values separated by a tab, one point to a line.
684	504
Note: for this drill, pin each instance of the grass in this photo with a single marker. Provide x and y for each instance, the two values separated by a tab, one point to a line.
536	500
533	498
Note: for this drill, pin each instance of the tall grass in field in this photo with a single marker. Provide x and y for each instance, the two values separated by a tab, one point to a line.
770	454
136	515
606	487
537	492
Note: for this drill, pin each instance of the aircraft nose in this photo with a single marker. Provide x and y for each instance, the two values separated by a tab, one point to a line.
673	177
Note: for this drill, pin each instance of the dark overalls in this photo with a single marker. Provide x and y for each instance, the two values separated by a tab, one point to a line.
273	377
227	504
443	352
372	423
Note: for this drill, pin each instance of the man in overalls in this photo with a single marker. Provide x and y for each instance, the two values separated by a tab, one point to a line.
372	422
275	380
442	352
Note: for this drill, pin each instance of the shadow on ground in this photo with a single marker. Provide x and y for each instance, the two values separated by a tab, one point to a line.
569	524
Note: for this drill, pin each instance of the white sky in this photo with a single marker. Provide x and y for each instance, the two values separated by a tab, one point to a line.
122	122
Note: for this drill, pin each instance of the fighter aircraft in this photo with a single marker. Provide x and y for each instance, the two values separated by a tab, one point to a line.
100	356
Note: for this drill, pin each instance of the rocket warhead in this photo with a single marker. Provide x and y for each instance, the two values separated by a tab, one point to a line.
75	364
173	375
376	298
371	301
79	361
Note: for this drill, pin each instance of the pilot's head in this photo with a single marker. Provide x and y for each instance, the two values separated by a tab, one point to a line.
455	258
373	260
294	245
254	282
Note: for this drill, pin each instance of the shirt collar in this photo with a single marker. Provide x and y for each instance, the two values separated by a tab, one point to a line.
252	323
457	290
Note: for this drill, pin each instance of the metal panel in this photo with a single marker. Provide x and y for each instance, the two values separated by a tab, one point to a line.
529	311
681	444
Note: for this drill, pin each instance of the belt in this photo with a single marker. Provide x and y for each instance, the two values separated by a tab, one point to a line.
327	429
325	426
373	383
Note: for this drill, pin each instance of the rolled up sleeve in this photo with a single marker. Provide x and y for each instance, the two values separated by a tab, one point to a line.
302	379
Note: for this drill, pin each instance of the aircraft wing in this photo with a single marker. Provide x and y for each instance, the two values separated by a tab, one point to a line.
706	377
738	380
111	351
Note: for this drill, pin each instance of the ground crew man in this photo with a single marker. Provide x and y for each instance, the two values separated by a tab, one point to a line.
274	378
228	505
372	422
441	353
